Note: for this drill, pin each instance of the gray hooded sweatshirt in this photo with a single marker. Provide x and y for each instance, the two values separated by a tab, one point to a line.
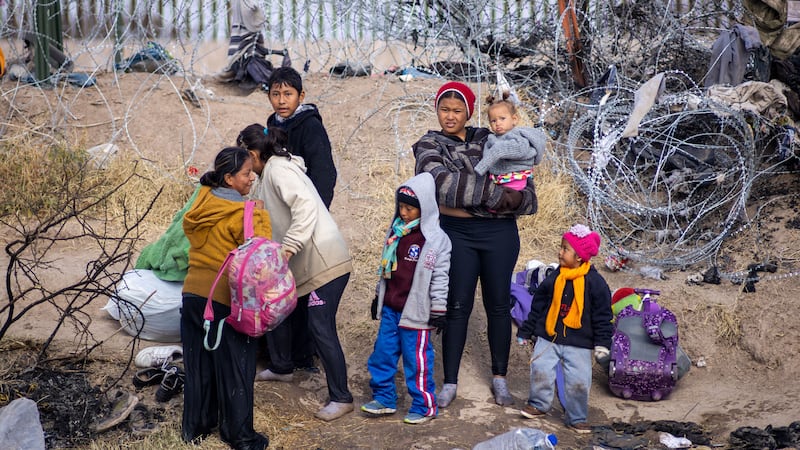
431	276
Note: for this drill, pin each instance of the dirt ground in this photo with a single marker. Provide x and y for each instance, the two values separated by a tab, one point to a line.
748	342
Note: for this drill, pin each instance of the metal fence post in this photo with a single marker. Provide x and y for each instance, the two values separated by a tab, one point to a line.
48	32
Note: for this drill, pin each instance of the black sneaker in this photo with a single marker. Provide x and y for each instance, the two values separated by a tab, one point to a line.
171	385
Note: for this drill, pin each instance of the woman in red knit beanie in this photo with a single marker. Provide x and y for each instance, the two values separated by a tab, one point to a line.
479	216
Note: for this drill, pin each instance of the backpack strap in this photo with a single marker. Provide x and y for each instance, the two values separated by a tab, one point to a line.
249	206
208	314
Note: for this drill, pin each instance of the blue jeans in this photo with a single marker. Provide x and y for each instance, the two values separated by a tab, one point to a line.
576	363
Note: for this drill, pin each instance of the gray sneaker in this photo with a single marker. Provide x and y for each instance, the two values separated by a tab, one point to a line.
377	408
446	395
501	394
334	410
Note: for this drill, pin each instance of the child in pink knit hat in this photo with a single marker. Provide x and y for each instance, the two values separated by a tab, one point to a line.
570	320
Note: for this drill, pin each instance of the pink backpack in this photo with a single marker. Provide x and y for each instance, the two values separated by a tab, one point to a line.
263	291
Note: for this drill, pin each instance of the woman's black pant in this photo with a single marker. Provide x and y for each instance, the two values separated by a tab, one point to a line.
218	390
484	249
320	308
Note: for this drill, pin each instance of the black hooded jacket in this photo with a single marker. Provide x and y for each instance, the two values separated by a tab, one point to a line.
309	140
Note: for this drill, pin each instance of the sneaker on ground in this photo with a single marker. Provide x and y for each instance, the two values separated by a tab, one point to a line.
375	407
158	356
172	384
414	418
268	375
446	395
122	405
334	410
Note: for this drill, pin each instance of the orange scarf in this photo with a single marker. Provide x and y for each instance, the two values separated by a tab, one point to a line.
573	319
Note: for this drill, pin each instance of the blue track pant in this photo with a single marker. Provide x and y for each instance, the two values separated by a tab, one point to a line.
417	352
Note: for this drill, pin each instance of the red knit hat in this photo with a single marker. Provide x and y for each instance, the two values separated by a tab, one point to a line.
463	90
583	240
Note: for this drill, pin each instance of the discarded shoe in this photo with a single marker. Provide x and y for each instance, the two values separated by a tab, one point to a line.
307	369
158	356
268	375
122	404
671	441
148	377
141	421
171	385
190	96
334	410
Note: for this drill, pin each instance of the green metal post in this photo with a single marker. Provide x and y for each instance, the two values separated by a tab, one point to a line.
47	30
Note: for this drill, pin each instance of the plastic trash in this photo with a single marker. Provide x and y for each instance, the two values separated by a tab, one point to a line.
673	442
101	155
20	426
147	306
520	439
652	272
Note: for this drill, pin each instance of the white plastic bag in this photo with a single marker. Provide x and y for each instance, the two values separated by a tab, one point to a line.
148	306
674	442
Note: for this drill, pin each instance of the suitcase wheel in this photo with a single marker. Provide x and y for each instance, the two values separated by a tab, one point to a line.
626	393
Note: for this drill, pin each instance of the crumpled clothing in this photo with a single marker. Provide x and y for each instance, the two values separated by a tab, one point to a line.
755	96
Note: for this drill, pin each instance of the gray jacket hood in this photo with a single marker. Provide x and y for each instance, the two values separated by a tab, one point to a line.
425	190
430	285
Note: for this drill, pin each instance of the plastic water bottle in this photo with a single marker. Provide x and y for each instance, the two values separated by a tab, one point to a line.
520	439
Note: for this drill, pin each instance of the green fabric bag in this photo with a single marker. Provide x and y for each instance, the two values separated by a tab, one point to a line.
168	257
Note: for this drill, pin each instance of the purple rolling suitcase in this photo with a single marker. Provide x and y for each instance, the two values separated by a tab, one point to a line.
644	351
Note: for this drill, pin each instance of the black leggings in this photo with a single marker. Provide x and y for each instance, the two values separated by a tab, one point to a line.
486	249
320	310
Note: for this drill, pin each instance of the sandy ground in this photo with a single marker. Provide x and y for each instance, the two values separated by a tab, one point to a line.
749	341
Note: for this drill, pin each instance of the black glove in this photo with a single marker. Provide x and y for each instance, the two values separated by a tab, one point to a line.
374	308
438	322
510	200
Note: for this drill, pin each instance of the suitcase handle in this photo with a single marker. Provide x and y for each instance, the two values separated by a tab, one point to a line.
652	319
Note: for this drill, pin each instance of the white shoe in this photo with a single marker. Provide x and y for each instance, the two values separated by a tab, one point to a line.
158	356
334	410
268	375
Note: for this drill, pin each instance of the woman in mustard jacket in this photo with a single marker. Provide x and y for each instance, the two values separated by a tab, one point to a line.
219	384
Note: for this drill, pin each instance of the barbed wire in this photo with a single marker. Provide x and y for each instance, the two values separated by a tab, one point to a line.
644	206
